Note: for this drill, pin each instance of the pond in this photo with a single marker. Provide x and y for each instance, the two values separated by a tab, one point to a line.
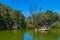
29	35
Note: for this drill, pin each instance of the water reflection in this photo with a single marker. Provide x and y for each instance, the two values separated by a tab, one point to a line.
27	36
31	35
58	38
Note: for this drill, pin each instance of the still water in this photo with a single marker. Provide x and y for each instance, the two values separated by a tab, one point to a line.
29	35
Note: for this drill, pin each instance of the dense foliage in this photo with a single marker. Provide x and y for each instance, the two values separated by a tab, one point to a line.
45	18
14	19
11	19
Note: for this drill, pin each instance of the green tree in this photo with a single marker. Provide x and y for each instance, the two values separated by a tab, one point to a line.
10	17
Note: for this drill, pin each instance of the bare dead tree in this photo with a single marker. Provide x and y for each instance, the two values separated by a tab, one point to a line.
33	11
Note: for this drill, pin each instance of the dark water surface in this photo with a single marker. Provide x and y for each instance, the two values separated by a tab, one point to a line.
29	35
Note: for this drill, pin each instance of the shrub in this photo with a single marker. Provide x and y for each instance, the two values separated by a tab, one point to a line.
30	26
55	25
